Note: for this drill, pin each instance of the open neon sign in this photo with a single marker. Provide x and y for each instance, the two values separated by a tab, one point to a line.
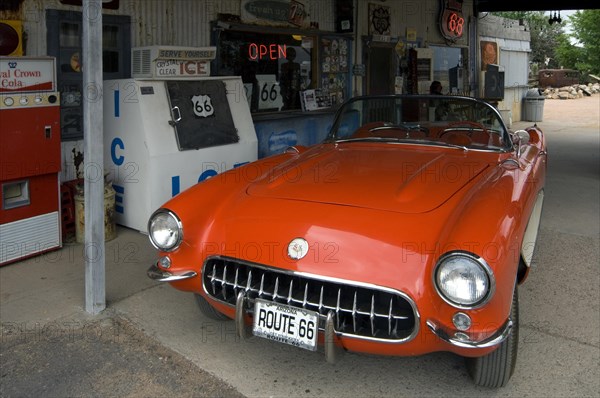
273	52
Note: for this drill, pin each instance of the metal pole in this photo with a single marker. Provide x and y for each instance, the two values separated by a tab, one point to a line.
474	58
95	300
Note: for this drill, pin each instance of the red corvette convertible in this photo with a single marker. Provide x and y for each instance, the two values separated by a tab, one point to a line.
407	231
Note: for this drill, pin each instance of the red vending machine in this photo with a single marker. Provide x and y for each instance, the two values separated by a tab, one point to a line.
29	158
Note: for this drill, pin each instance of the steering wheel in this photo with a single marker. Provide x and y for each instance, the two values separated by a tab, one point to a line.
452	127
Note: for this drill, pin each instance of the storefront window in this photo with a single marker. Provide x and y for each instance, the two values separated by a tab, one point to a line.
275	68
449	68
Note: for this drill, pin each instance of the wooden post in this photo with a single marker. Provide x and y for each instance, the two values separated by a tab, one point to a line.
95	300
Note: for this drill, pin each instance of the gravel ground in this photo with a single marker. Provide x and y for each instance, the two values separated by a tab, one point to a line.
102	358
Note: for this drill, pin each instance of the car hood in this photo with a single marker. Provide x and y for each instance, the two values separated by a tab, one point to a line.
392	177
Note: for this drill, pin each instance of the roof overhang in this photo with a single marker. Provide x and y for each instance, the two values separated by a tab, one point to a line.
545	5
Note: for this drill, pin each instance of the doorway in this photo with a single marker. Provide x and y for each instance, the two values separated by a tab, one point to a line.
380	60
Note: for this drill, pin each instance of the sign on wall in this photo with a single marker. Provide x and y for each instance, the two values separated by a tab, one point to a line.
172	62
180	68
452	20
274	12
489	53
269	94
27	74
379	19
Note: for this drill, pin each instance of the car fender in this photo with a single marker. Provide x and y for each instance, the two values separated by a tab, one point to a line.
490	220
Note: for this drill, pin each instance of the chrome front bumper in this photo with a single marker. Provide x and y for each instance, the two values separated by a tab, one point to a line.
463	340
332	348
160	275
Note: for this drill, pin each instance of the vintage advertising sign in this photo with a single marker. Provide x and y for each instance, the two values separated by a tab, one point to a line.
184	62
25	74
452	20
274	12
379	20
489	53
164	62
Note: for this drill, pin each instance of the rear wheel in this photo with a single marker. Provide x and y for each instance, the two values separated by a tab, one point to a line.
495	369
208	310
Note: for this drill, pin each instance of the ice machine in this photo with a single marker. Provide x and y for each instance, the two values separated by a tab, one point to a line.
171	126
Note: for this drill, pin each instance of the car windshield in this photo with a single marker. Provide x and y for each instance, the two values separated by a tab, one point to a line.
422	119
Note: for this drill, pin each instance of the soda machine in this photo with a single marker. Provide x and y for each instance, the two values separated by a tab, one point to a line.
29	157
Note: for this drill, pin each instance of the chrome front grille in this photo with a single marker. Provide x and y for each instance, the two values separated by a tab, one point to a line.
361	310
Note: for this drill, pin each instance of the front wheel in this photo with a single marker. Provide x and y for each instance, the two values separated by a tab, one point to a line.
495	369
208	310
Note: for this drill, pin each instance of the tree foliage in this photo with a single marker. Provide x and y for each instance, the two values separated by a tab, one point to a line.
586	32
545	37
552	47
569	56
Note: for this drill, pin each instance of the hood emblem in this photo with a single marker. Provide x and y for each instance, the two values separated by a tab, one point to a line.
297	249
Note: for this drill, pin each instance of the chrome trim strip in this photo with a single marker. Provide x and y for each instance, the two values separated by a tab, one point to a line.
498	337
531	232
485	267
347	282
159	275
435	144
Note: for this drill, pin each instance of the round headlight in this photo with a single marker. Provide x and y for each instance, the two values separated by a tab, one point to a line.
164	230
463	280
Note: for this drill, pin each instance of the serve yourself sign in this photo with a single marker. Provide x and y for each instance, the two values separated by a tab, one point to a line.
27	74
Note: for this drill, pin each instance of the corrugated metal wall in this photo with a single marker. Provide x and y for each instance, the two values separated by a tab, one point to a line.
187	22
322	12
165	22
176	22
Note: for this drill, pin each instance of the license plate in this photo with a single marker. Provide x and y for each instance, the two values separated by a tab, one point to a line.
285	324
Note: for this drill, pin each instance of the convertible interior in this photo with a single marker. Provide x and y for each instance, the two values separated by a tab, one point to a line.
461	133
456	121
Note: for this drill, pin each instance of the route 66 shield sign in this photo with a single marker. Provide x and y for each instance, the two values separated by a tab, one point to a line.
202	105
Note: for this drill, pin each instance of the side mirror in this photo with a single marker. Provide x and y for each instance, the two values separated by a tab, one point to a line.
520	138
523	136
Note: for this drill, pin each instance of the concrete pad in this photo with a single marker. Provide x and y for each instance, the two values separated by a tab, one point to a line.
559	351
548	360
51	286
